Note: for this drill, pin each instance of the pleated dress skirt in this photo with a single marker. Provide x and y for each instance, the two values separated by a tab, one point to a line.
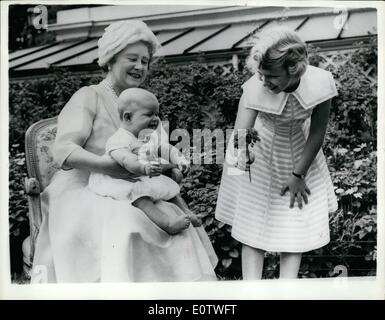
260	217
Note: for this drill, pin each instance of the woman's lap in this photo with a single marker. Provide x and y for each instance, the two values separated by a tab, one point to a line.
94	238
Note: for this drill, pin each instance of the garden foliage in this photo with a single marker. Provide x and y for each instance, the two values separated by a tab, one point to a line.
194	96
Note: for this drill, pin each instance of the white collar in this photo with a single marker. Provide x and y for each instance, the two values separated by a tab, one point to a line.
316	86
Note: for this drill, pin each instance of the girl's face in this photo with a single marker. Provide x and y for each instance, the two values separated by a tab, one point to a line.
130	66
277	79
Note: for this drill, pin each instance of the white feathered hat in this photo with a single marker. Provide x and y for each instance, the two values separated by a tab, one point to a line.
122	33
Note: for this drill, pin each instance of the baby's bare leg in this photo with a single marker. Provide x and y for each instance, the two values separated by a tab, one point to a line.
168	221
195	220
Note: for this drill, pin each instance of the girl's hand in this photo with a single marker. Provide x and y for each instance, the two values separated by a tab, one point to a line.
248	137
245	159
110	167
243	162
153	169
298	191
250	156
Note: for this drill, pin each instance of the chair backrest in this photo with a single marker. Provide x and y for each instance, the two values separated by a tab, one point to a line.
39	140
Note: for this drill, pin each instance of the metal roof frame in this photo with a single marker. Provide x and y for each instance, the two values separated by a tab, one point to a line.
186	54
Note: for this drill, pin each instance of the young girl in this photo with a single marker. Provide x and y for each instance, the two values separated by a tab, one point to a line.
138	110
284	207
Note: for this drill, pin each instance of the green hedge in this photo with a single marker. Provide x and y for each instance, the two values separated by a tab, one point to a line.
194	96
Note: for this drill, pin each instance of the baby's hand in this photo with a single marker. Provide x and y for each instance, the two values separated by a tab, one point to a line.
152	169
184	167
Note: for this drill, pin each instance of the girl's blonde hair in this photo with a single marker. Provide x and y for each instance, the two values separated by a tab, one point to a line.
279	47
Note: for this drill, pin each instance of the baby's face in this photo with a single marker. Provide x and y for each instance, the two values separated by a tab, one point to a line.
276	79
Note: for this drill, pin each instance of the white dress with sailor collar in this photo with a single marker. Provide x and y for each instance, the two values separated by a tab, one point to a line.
259	215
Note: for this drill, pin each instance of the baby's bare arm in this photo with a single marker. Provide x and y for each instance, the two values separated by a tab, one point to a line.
128	160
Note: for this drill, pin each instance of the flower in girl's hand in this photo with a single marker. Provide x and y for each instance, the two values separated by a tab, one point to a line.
250	136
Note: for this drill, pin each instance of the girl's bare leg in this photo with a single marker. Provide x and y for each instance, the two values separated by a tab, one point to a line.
252	263
169	222
289	265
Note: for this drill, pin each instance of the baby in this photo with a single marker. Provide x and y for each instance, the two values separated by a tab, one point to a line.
139	153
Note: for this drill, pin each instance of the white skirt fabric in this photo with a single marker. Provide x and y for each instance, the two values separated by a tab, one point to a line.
85	237
259	215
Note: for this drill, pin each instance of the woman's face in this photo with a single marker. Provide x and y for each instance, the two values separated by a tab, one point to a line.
130	66
276	79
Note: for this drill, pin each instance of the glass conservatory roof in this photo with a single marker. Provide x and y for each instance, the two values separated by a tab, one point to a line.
210	38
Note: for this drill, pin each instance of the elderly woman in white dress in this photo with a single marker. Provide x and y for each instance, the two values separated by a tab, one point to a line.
89	238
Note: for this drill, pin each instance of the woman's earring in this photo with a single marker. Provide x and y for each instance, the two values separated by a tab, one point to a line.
109	68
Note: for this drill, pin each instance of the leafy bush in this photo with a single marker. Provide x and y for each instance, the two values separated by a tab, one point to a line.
18	222
195	96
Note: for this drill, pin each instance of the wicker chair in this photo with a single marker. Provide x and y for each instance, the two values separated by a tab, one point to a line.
39	140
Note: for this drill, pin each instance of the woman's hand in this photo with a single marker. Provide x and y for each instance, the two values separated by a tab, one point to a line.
110	167
153	169
298	191
176	175
184	166
166	168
